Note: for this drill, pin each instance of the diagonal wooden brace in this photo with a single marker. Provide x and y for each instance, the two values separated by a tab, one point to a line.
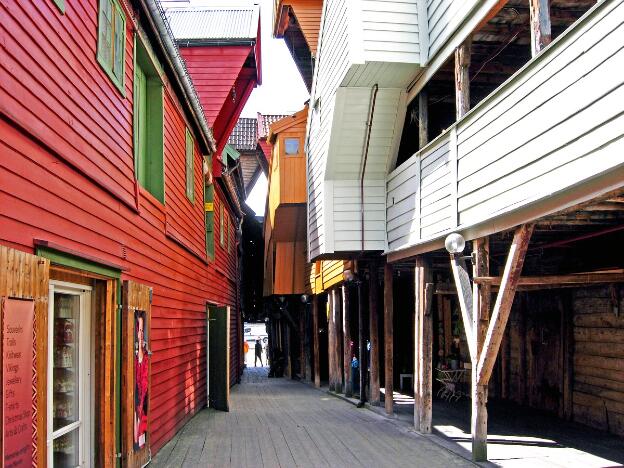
504	300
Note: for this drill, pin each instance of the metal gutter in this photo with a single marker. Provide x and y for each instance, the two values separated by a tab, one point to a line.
215	42
156	16
369	125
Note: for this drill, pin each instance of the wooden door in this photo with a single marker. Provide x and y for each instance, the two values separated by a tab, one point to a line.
24	288
219	362
136	373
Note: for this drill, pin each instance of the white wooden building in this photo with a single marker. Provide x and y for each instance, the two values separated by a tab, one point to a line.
546	138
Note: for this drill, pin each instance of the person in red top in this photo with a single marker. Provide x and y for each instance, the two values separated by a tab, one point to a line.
141	369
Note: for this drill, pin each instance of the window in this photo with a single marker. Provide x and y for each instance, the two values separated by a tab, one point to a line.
291	146
230	234
148	122
221	226
112	41
190	156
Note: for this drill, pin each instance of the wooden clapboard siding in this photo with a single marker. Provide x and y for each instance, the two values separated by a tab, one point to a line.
308	14
443	18
419	196
553	129
43	198
289	268
51	85
347	227
557	123
390	31
215	71
332	65
67	176
598	376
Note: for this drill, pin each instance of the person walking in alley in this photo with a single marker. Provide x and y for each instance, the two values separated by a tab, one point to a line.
258	353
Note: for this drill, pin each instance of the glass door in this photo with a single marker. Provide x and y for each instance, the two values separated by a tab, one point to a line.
69	375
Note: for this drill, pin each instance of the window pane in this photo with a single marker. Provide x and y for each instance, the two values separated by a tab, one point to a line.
118	51
105	32
291	145
65	449
65	343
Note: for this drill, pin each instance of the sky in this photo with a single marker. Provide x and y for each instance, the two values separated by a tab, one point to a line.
282	90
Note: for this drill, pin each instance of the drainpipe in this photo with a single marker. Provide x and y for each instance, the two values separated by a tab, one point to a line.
365	157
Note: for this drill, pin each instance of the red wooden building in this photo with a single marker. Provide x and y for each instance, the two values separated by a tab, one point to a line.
114	235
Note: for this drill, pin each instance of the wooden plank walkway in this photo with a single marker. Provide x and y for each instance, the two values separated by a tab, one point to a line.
282	423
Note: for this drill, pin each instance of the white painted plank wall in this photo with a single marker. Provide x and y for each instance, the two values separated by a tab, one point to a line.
332	64
348	218
444	17
558	123
390	31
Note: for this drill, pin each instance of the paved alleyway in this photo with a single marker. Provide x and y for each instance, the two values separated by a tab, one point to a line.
282	423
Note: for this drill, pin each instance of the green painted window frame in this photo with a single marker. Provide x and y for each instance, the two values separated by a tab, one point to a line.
209	217
148	120
60	4
221	225
111	47
190	166
72	261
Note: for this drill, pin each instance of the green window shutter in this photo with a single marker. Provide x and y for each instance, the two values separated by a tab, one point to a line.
105	30
60	4
119	45
190	179
140	125
209	213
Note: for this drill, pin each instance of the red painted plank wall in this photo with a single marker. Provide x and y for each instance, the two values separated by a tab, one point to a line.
67	176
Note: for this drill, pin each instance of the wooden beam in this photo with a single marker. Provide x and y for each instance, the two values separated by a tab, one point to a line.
338	336
481	315
540	25
389	338
331	345
423	119
554	280
504	300
423	344
462	78
315	339
346	334
464	294
373	310
362	343
302	363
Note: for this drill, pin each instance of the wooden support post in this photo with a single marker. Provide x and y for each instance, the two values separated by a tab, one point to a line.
481	314
302	362
389	338
362	322
423	343
346	333
462	78
423	119
331	341
567	355
315	342
338	343
540	25
373	308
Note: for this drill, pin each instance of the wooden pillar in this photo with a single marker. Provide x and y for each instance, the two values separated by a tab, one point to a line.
338	340
362	322
389	338
423	119
302	363
462	78
373	308
331	340
480	320
315	342
540	25
423	343
346	334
